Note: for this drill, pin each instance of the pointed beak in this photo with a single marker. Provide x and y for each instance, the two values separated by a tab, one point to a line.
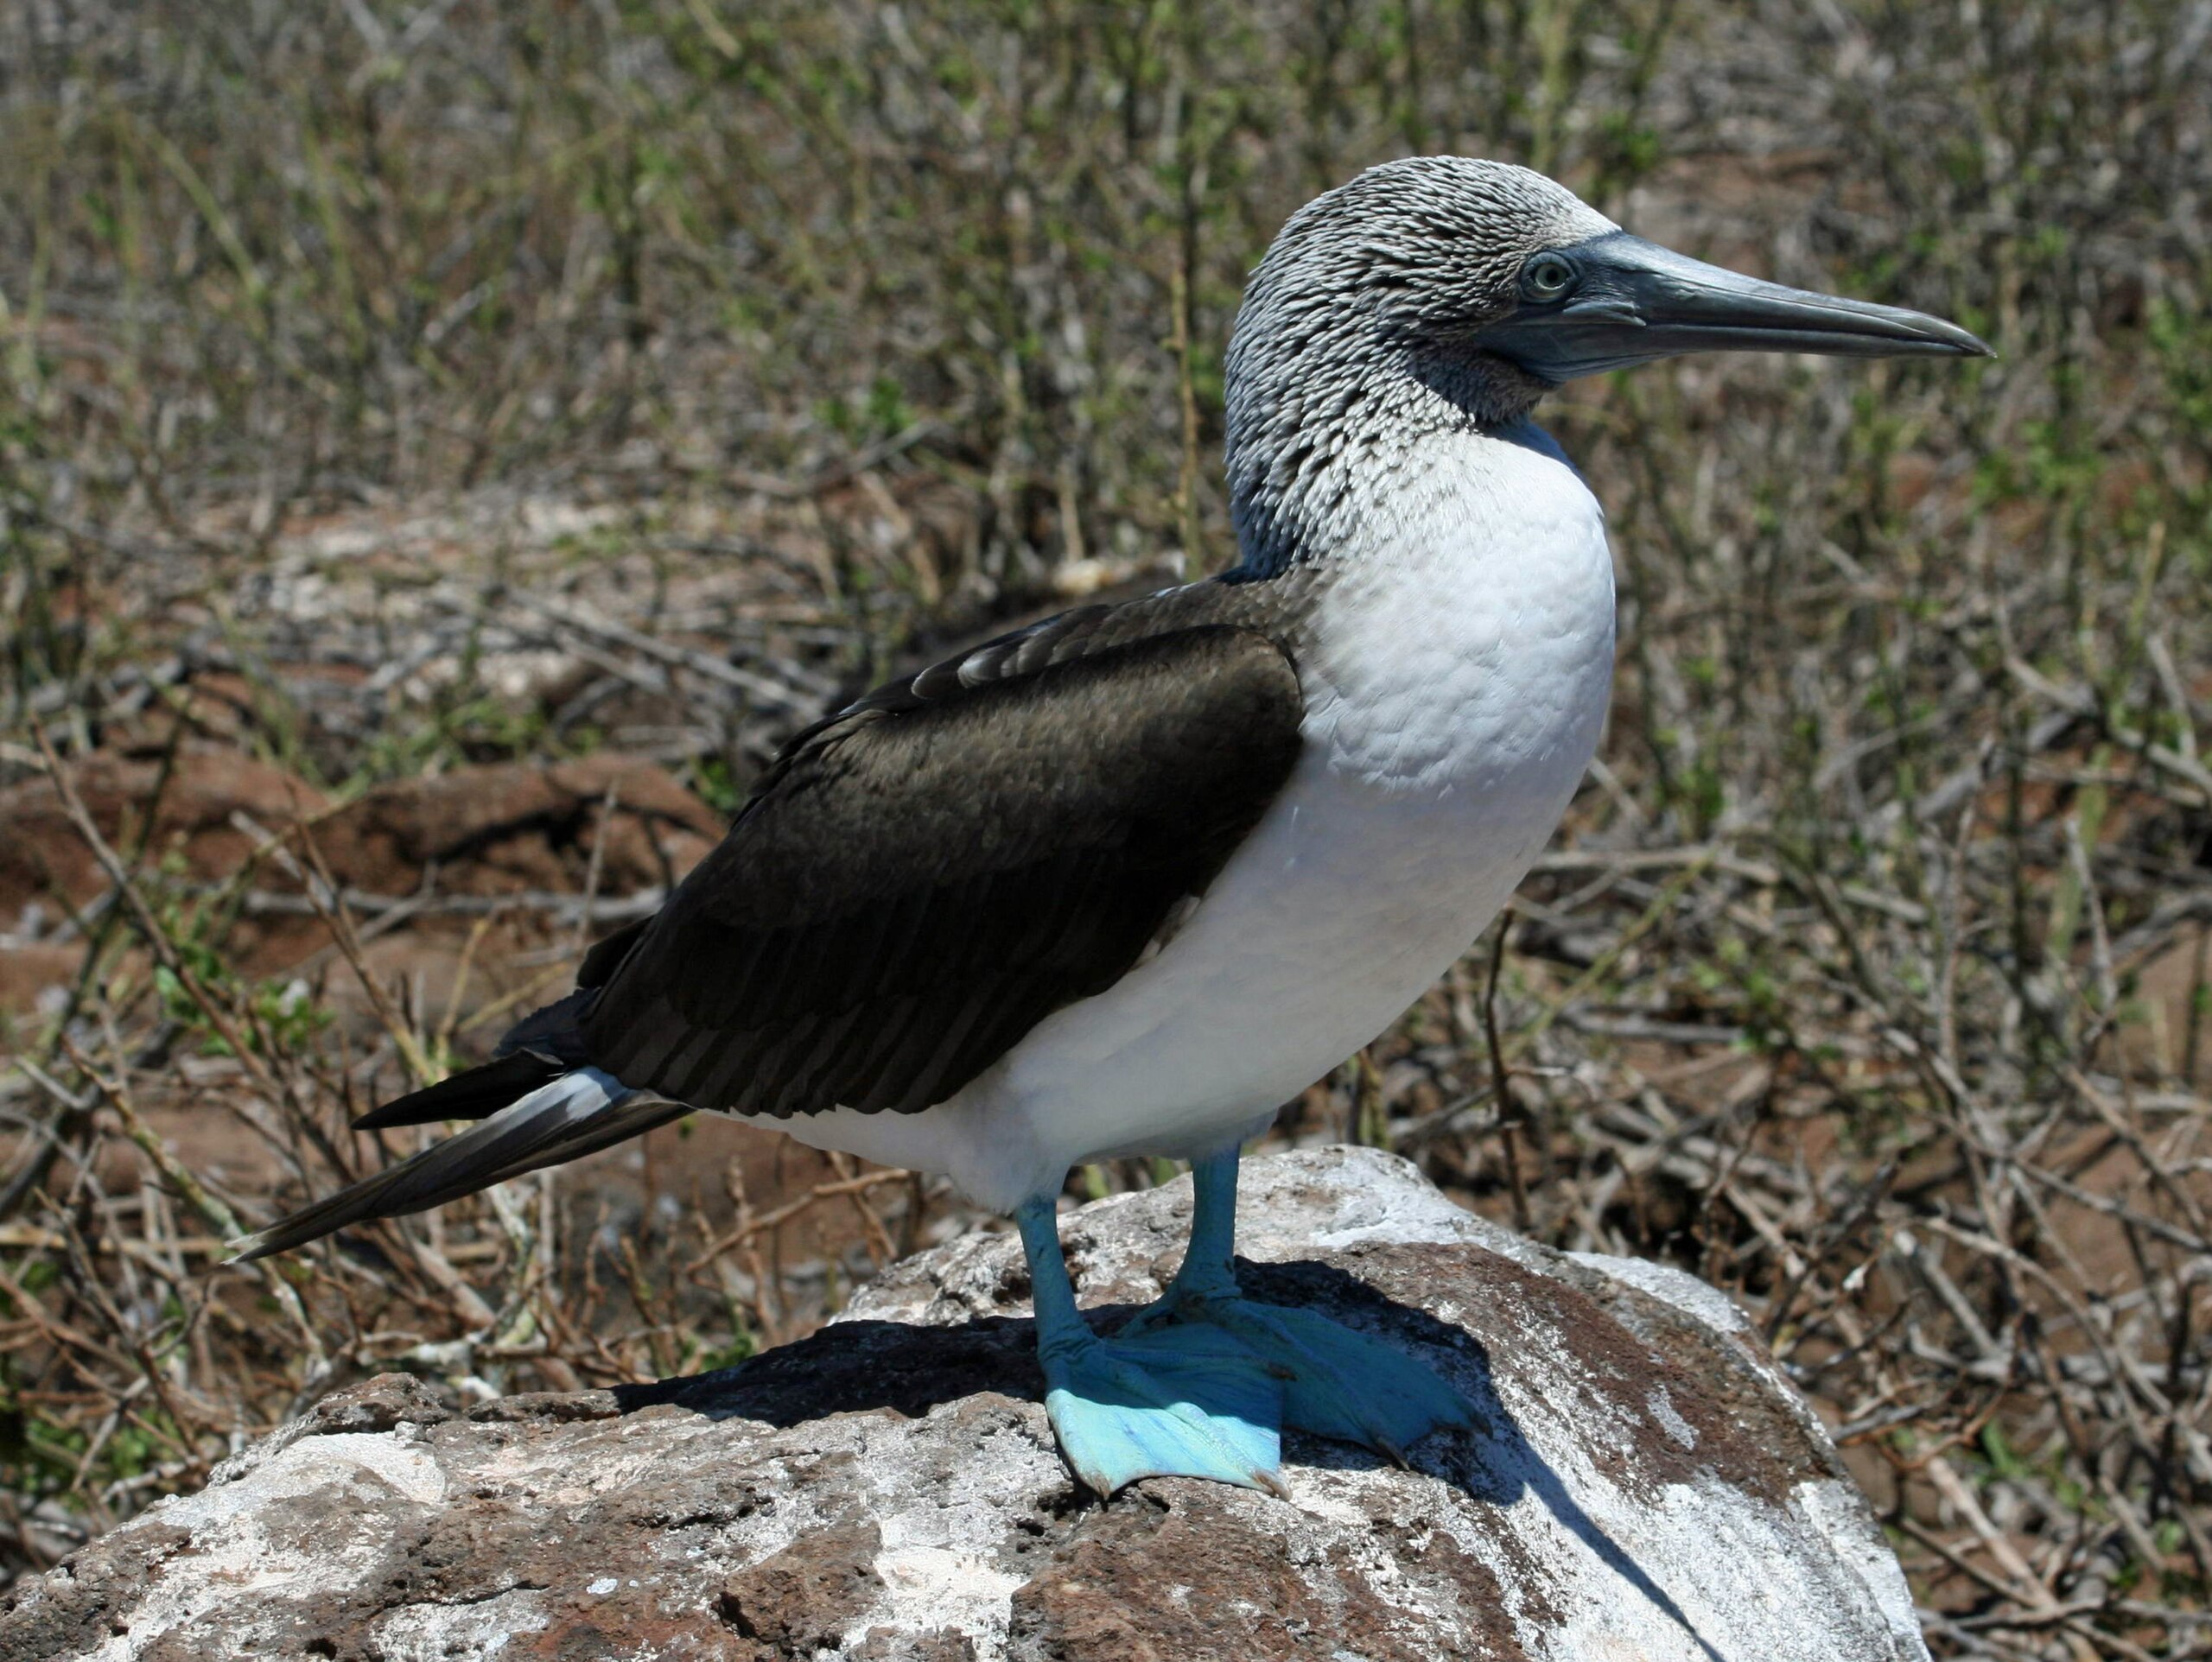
1631	302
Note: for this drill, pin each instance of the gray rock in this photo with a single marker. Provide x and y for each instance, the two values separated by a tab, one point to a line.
1646	1486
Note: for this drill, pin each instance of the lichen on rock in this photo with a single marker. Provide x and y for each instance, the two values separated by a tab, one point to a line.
1645	1483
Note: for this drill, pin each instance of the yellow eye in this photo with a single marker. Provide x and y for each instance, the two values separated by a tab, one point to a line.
1548	278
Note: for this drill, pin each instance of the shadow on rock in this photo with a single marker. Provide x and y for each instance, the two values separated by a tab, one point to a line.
1496	1464
857	1365
854	1367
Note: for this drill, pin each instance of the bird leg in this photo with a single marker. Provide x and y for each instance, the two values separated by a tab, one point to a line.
1183	1402
1337	1382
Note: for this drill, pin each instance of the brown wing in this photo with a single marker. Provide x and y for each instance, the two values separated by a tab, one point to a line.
922	879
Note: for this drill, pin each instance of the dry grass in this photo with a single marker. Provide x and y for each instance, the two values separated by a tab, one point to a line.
385	389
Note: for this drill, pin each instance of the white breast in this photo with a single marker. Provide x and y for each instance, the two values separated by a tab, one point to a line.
1456	672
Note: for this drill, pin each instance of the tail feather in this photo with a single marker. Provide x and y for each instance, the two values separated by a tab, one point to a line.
574	1113
476	1095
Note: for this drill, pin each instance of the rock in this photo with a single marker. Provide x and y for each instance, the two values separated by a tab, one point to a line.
504	827
378	1404
1645	1485
492	829
501	828
194	810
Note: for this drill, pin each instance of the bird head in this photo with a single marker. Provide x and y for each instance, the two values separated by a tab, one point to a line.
1452	256
1447	289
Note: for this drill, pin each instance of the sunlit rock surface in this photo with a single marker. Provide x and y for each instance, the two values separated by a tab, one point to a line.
1647	1487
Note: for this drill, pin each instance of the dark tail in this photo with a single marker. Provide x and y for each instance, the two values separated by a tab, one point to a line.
477	1094
532	1112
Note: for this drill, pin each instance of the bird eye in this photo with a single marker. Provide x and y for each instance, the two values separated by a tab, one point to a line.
1548	276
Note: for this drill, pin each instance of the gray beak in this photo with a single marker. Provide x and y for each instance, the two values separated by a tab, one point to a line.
1629	301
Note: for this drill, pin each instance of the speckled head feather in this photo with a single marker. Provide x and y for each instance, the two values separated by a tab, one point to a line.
1358	330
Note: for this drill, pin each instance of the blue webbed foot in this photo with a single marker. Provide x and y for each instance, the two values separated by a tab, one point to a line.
1187	1402
1337	1382
1190	1403
1200	1384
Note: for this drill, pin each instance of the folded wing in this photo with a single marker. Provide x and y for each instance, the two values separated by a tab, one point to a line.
921	879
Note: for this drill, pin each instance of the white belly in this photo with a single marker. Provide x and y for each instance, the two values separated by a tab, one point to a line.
1456	686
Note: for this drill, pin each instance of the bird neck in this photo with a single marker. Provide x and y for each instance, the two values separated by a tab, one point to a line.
1321	441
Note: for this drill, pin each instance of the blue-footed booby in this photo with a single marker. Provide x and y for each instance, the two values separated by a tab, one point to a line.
1125	881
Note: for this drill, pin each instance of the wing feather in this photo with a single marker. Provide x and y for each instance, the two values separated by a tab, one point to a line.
921	879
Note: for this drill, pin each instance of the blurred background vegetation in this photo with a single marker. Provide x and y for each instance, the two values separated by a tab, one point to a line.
399	401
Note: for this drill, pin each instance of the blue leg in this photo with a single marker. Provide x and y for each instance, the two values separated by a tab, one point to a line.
1181	1402
1337	1383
